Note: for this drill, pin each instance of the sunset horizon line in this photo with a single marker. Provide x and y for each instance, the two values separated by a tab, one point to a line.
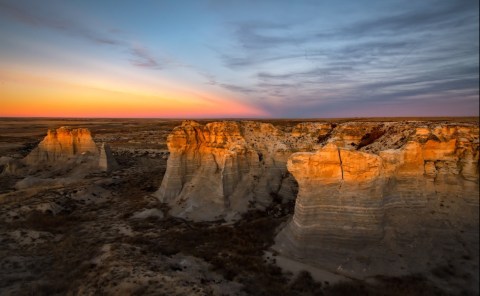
244	118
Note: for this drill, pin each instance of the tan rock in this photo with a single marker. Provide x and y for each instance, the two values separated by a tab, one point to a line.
433	150
221	169
323	166
360	167
350	134
315	129
356	211
66	148
62	144
412	160
106	162
430	169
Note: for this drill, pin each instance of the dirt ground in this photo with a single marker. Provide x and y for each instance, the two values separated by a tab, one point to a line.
107	234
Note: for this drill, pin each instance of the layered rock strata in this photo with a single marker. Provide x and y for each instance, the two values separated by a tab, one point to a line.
63	144
222	169
373	197
405	203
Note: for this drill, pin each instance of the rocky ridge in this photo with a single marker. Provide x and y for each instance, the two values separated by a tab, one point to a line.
369	193
357	205
222	169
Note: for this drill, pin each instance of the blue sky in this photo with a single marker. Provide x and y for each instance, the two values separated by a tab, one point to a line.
266	58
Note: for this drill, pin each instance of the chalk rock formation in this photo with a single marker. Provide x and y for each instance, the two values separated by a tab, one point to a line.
63	144
386	209
221	169
66	147
373	197
106	161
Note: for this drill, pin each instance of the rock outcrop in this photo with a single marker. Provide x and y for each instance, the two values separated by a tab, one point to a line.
373	197
64	147
391	211
106	161
61	145
222	169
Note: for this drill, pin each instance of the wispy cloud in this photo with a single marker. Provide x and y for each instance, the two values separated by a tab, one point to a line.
237	88
316	56
68	27
139	55
432	16
424	53
143	58
251	35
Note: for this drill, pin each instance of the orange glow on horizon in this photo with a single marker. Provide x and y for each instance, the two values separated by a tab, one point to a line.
28	95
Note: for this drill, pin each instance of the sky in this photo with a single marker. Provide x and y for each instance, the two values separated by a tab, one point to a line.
239	59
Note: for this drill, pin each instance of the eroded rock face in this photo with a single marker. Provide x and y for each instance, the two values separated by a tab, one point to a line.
387	211
221	169
106	160
62	144
373	198
67	151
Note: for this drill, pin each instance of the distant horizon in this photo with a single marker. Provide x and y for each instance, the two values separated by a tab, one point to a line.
242	118
239	59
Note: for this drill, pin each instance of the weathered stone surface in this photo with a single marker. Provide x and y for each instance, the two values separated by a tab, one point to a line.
391	212
222	169
62	144
434	150
106	160
66	148
350	134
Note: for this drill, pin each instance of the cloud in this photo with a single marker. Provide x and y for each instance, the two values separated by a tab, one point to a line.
248	60
142	58
259	41
424	53
316	72
385	55
68	27
436	15
140	55
261	35
237	88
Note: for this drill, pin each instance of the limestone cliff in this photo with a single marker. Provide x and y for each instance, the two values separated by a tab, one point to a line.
221	169
404	203
373	197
